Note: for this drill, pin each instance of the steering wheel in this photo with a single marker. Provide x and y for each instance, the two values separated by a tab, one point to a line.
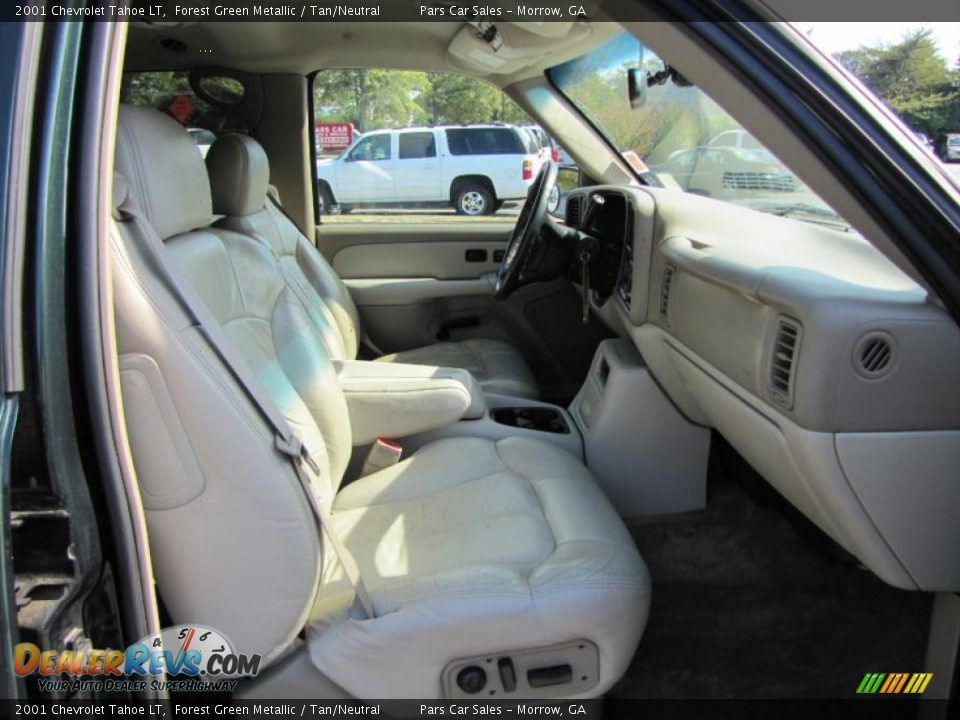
532	216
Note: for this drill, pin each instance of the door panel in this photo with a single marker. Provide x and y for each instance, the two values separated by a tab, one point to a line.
332	237
414	287
452	260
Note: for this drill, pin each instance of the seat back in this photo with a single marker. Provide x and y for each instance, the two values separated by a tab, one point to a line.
239	177
232	536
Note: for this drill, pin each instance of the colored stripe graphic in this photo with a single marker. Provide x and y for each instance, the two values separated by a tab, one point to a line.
894	683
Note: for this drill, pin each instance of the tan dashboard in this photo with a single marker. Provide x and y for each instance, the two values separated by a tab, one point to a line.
828	369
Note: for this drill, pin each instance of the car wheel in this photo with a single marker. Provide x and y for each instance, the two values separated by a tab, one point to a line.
326	200
553	200
473	199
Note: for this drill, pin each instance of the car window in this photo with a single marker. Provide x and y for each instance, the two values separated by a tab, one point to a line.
481	161
170	92
415	145
486	141
726	139
372	148
670	116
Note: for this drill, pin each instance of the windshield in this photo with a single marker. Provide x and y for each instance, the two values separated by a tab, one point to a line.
673	135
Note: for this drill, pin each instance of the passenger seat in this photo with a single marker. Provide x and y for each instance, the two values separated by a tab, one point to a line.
239	178
478	555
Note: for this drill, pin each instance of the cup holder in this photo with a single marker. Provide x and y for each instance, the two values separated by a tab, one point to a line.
532	418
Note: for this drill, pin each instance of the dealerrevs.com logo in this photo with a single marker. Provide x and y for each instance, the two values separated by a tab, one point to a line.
196	654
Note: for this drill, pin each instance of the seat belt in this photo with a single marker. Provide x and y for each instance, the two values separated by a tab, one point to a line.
286	440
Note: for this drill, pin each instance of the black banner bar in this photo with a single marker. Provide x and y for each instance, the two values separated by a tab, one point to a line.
319	11
872	708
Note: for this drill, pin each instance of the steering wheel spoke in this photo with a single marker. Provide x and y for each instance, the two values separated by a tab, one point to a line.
533	215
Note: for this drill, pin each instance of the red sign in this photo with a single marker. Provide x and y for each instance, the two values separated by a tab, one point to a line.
181	108
334	136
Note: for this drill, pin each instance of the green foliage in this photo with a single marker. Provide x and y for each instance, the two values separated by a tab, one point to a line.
373	99
671	118
913	79
370	99
457	99
159	89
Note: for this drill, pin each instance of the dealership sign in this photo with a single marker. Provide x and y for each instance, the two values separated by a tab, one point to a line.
334	136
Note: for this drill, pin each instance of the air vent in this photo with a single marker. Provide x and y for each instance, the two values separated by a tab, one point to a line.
786	348
873	355
574	206
172	44
666	282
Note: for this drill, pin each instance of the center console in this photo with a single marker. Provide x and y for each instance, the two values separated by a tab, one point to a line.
511	417
541	419
647	457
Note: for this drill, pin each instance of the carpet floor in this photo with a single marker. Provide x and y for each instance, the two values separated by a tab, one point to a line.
751	601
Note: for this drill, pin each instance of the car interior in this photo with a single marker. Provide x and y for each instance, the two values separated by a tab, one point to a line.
656	445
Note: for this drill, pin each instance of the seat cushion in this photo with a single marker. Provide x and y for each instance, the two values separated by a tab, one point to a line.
473	546
497	366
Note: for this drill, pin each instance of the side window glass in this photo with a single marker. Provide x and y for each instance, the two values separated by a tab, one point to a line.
415	145
373	148
170	93
478	151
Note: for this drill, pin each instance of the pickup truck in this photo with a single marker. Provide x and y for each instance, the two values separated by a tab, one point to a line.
472	168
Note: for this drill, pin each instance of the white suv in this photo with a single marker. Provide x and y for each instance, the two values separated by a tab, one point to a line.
473	168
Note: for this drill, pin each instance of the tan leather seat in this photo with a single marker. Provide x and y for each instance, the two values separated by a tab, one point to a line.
469	546
239	177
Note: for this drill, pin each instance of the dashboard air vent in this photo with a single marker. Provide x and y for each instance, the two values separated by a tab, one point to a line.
873	356
786	347
574	207
666	282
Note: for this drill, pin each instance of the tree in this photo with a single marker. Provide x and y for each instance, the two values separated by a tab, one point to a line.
913	79
458	99
373	99
370	99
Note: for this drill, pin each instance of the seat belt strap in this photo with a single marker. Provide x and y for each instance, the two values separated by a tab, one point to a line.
286	440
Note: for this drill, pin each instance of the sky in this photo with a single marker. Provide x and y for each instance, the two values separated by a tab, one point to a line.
833	37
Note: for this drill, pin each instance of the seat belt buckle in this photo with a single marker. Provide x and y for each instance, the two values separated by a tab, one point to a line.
383	454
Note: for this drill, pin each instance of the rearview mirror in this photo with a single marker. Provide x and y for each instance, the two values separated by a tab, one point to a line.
637	87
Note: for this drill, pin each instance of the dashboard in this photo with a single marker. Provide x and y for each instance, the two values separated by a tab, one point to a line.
828	369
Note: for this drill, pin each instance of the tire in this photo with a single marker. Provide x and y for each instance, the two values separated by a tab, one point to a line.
327	202
473	199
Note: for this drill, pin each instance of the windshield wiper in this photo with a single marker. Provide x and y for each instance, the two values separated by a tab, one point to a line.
805	211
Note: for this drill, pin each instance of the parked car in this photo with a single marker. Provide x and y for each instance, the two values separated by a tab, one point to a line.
744	141
713	171
543	141
951	147
474	169
203	137
561	156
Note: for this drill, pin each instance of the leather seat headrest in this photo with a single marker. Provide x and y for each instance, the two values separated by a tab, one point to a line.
239	175
164	171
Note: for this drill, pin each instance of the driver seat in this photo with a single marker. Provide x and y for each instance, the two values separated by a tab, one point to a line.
239	178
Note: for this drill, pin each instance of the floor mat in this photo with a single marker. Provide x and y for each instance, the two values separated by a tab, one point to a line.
744	607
